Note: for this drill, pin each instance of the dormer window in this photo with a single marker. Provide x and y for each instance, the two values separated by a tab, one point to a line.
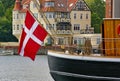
80	5
59	5
71	5
62	5
49	4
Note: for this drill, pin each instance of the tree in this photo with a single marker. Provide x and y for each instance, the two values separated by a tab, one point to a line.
98	13
89	2
2	9
96	22
6	21
7	3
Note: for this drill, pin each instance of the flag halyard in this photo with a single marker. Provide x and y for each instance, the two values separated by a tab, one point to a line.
32	37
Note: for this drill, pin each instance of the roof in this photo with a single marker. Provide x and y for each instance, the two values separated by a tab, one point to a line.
60	5
49	0
48	9
25	2
23	10
71	4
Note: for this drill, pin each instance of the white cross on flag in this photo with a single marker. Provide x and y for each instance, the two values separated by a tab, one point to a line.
32	37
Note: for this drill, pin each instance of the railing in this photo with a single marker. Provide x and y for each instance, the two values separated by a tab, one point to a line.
106	47
87	31
62	20
63	32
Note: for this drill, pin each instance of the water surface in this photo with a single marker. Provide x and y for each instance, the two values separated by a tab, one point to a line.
17	68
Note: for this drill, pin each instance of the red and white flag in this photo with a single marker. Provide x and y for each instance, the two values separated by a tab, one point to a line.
32	37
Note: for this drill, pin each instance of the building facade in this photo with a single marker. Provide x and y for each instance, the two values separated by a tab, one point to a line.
112	9
63	19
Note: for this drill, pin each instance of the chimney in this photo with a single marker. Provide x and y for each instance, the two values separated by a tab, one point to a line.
17	5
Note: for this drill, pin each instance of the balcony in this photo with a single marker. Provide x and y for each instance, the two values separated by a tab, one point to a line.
63	28
63	32
62	20
87	31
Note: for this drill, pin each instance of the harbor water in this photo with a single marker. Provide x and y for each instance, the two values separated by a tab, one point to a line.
18	68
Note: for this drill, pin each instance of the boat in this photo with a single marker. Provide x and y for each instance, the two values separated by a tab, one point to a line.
65	67
104	66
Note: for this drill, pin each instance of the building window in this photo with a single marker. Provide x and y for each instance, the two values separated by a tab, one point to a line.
98	40
49	41
81	41
60	41
21	16
53	15
41	16
13	16
17	16
53	25
47	26
68	15
87	26
81	16
62	15
75	41
76	26
50	15
86	16
21	25
49	4
34	6
80	5
74	15
17	27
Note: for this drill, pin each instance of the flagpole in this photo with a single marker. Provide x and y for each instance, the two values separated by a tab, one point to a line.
32	37
38	8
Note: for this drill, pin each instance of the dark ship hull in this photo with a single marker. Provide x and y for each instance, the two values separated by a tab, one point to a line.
83	68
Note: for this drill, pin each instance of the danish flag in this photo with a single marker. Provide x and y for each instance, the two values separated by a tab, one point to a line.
32	37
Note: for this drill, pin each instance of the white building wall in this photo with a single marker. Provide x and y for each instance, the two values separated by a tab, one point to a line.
95	39
17	23
82	22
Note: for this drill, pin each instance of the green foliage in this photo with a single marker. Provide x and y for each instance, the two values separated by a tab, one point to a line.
2	9
6	21
8	14
89	2
7	3
46	44
98	13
